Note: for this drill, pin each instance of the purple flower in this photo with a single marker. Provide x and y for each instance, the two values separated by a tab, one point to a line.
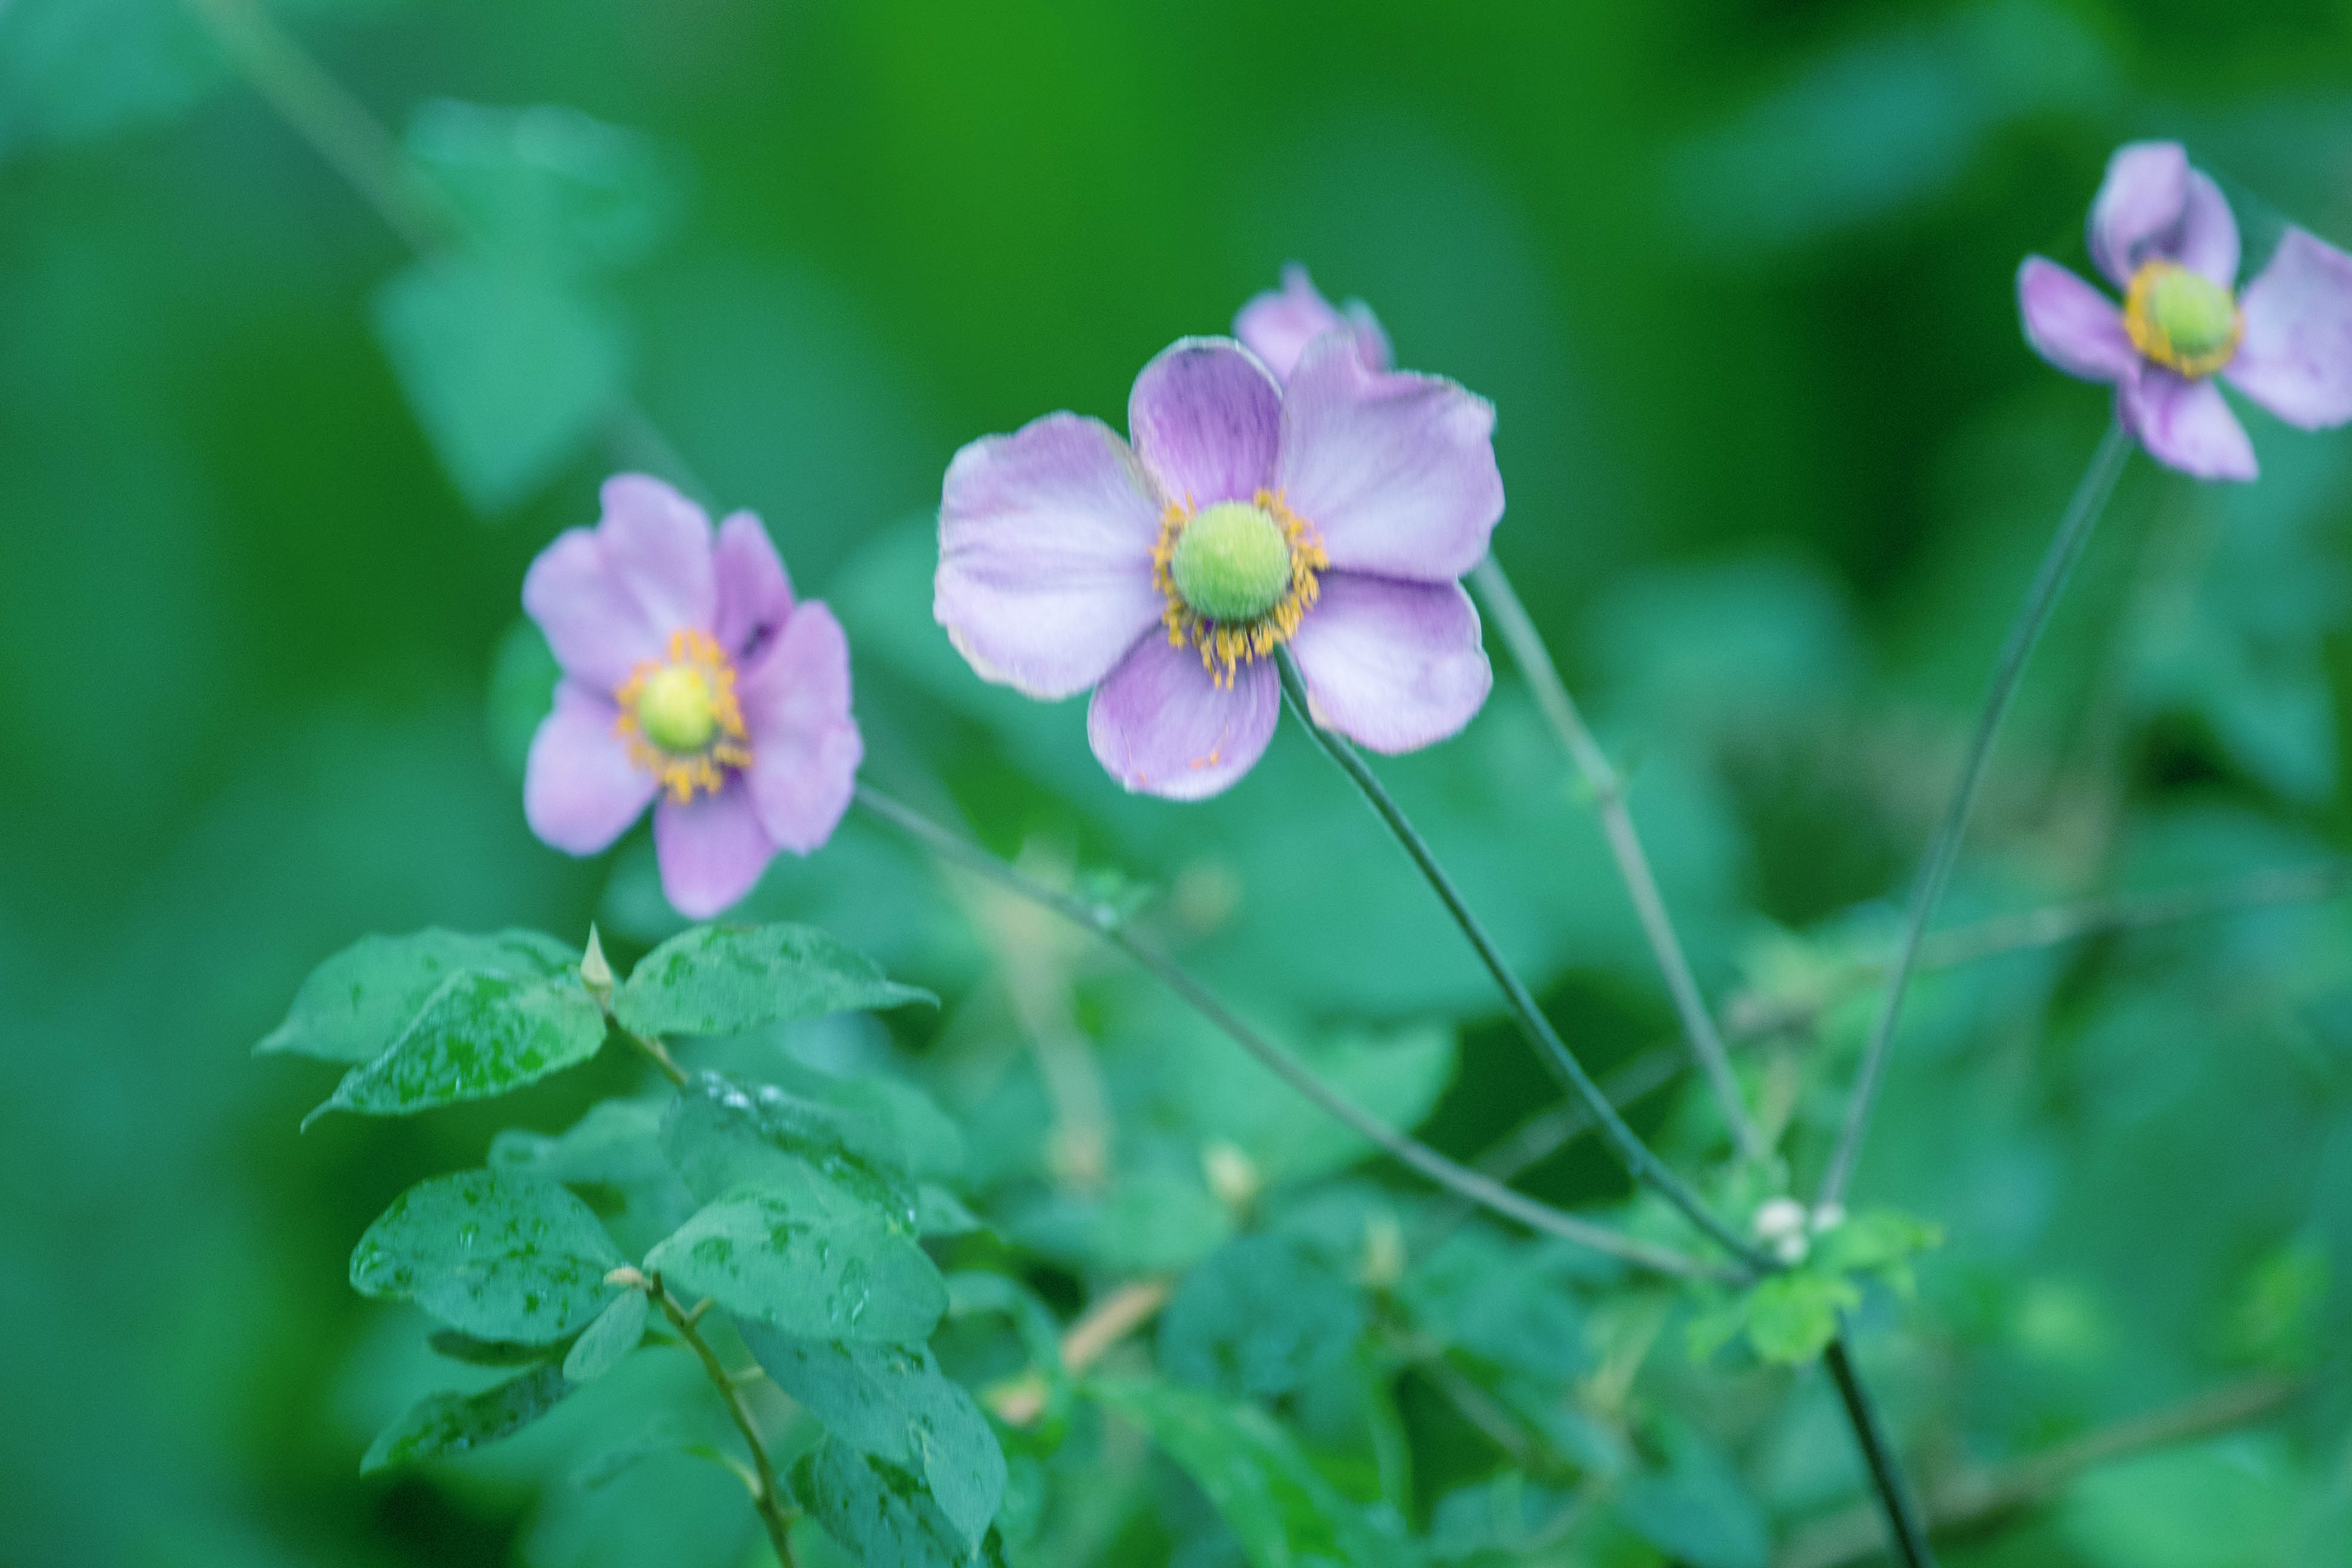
1335	516
1278	324
2162	233
689	673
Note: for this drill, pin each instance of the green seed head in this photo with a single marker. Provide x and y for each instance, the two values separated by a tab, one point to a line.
675	709
1232	563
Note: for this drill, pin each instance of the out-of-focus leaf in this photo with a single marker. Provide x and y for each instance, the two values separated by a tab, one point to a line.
1261	1315
616	1331
1496	1299
2226	1504
548	184
453	1423
801	1254
724	980
501	1256
721	1137
480	1034
612	1159
1150	1222
523	673
1505	1515
509	372
357	1003
893	1403
1695	1511
884	1516
1792	1317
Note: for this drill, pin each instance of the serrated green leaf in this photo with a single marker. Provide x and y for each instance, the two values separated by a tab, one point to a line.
509	372
477	1036
499	1256
1791	1317
357	1003
892	1402
804	1255
1261	1315
1283	1512
453	1423
617	1331
724	980
720	1136
884	1516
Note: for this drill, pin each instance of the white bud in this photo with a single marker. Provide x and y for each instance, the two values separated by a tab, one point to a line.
1778	1217
1232	1175
594	972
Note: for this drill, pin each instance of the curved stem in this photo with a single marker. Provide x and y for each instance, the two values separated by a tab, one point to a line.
1646	1167
774	1512
1903	1518
2041	598
657	1052
1542	675
1105	922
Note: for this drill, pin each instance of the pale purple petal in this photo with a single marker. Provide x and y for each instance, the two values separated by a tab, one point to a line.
1045	539
805	745
1163	728
2072	324
609	597
1395	472
1206	418
1391	665
2206	240
2296	359
712	850
580	790
2185	425
657	545
1279	324
2139	204
755	597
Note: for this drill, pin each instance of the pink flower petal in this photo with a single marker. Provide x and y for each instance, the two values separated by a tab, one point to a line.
1163	728
1206	418
2206	240
609	597
805	745
1396	471
2296	359
2072	324
2185	425
2139	201
657	543
755	596
1278	324
580	790
1045	539
712	850
1392	666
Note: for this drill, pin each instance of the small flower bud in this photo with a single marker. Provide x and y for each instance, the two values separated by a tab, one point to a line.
1383	1263
1778	1217
595	974
626	1277
1232	1175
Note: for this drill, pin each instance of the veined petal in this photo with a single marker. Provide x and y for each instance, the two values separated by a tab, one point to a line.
805	745
1278	324
1392	666
2296	358
2072	324
712	850
2138	203
2185	425
755	596
1045	540
1396	471
609	597
1161	726
1206	418
580	790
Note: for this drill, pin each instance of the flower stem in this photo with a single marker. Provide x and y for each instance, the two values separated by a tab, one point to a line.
1106	923
774	1512
2065	547
1534	662
1646	1167
657	1053
1894	1498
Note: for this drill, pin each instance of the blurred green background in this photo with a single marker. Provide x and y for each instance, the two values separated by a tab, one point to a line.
1737	275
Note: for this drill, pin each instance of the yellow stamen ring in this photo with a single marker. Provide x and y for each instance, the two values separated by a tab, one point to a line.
2181	319
694	666
1225	647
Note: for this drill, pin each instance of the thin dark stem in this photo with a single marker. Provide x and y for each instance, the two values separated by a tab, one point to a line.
1646	1167
1542	675
2065	548
1106	923
657	1053
1886	1475
774	1512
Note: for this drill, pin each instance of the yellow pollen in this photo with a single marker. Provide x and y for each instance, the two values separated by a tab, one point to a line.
2182	320
679	717
1226	645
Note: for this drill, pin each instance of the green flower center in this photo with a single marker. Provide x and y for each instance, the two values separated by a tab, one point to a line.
677	709
1232	563
2182	320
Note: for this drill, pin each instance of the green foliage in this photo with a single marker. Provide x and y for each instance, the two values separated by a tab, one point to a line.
1791	1316
498	1256
358	1002
724	979
1261	1315
1696	1510
548	185
804	1255
478	1035
617	1331
886	1518
450	1423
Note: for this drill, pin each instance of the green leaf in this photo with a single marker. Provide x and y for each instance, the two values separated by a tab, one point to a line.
1495	1298
480	1035
1284	1514
500	1256
1261	1315
612	1159
939	1212
617	1331
509	372
885	1517
724	980
893	1403
357	1003
548	184
720	1136
805	1255
1791	1317
453	1423
1695	1511
464	1347
1879	1242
